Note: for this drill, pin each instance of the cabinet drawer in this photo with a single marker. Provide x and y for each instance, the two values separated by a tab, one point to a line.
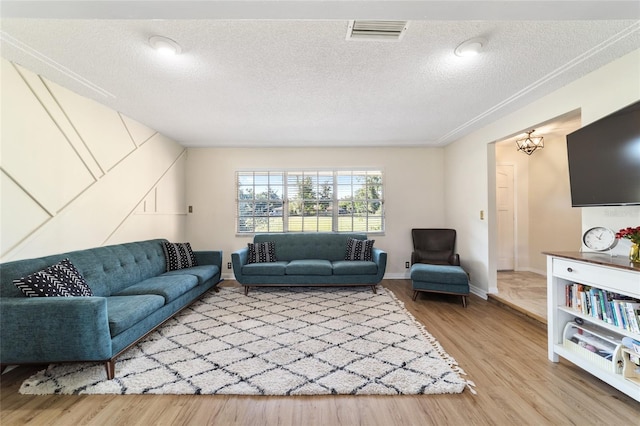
600	276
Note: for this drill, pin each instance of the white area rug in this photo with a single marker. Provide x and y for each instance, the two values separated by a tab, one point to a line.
275	341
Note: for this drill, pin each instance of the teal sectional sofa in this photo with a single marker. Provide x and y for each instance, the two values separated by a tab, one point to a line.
308	259
132	294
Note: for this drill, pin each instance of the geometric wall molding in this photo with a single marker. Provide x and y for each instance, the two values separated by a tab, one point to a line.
35	153
167	197
41	91
95	215
73	172
101	128
20	211
138	131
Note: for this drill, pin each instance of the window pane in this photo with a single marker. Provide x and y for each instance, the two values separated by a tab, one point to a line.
310	201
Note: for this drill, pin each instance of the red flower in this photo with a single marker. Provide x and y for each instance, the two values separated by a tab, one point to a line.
630	233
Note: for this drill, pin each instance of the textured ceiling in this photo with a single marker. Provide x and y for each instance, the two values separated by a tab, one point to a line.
299	82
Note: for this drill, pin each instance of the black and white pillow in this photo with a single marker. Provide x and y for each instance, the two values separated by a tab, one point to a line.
359	249
178	256
60	280
262	252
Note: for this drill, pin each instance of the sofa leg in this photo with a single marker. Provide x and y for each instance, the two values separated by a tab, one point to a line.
3	367
415	295
246	290
111	369
464	301
373	288
216	289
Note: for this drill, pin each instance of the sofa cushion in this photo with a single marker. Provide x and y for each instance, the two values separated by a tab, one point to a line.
61	279
270	268
125	311
309	245
358	249
262	252
309	267
178	255
169	287
349	267
202	272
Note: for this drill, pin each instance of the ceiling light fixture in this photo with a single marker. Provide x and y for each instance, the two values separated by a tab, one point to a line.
529	144
470	47
165	45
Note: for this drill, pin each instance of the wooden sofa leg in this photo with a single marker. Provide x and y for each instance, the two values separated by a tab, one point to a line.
373	288
246	290
415	295
464	301
111	369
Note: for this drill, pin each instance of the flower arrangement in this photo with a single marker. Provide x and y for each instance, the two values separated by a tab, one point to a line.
632	234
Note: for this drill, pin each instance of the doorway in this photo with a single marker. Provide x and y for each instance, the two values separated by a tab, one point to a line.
533	213
506	216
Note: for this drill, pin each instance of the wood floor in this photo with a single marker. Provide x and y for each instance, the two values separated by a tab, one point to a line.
525	292
503	353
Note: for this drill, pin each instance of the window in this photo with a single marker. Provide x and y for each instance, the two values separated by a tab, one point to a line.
310	201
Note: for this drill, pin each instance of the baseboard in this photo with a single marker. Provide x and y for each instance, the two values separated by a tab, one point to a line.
228	276
478	292
397	276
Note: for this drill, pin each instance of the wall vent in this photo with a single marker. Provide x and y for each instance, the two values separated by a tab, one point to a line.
376	30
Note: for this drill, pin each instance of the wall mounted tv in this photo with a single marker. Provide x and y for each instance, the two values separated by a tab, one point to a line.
604	160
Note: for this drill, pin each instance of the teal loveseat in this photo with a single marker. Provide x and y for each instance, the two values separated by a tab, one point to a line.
132	294
308	259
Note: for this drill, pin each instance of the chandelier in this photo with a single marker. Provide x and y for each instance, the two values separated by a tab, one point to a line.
530	143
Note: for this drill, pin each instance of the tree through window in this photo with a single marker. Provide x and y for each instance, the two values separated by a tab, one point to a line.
310	201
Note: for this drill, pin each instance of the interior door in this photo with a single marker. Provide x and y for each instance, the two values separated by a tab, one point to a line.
506	217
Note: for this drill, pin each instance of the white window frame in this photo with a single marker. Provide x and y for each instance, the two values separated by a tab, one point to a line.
264	201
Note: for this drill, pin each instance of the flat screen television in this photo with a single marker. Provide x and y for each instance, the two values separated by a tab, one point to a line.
604	160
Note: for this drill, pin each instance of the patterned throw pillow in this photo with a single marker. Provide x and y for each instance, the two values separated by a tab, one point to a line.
60	280
262	252
178	256
359	249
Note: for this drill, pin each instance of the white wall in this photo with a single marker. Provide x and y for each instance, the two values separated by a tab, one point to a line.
545	219
75	174
468	163
413	191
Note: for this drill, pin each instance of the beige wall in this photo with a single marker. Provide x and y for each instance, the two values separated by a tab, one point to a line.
413	191
74	174
553	224
470	163
545	219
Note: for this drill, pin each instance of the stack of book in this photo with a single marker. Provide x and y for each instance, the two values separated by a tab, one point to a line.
612	308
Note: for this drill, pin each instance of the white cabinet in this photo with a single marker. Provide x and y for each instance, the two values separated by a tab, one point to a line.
609	275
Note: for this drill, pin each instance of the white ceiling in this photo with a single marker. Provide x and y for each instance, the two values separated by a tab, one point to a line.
281	73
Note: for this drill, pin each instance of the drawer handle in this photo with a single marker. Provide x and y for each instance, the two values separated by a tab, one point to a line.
569	270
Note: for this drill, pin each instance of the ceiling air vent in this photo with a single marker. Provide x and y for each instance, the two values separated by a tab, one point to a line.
376	30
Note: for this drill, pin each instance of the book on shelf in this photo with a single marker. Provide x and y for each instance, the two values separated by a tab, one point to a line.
613	308
632	316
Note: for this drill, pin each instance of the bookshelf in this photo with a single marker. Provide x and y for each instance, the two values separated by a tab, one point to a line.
589	333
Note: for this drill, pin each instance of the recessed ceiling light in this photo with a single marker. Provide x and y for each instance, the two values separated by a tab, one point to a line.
470	47
165	45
